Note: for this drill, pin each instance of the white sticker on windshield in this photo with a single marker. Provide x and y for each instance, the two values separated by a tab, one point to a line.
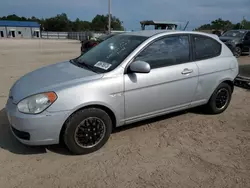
103	65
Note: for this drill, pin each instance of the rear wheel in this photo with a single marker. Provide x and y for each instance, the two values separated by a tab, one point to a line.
220	99
87	130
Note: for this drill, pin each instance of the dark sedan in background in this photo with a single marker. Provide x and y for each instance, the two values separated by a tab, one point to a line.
237	40
88	44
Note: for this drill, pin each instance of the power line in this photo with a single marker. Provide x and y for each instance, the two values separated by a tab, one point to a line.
109	26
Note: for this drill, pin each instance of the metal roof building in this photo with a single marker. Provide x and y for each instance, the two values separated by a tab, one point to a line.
19	29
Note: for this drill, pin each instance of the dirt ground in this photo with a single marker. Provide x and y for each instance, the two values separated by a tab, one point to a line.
185	149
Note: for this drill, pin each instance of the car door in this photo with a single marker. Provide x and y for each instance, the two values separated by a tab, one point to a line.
246	43
212	66
170	84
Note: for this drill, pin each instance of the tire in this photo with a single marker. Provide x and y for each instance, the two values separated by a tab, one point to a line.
80	122
212	106
237	51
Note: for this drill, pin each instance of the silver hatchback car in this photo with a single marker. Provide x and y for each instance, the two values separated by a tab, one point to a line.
127	78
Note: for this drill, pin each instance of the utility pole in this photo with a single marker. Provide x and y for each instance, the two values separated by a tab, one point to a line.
109	26
186	26
242	23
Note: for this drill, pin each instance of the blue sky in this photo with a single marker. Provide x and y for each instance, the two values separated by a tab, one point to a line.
133	11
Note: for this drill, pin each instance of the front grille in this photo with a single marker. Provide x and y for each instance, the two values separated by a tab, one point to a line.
21	134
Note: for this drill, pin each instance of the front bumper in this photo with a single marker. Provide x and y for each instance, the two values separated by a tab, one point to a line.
40	129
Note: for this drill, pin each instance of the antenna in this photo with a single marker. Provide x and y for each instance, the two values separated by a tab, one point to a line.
109	26
186	26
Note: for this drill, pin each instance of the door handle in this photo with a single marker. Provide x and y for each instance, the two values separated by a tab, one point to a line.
187	71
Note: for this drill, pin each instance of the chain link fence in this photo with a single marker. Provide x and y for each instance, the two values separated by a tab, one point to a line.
70	35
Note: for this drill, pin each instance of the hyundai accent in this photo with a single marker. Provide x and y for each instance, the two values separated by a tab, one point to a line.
127	78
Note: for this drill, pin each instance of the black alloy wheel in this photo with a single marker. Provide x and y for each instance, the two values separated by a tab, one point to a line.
222	98
237	52
90	132
87	130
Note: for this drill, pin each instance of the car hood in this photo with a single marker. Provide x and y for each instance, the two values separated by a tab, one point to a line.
50	78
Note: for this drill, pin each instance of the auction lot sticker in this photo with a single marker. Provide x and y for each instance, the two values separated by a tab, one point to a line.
103	65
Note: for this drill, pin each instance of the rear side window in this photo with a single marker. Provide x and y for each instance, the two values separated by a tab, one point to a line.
248	36
205	47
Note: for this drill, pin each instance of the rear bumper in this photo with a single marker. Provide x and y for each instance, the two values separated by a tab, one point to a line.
243	82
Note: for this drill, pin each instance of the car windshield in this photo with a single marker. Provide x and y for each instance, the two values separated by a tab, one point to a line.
234	34
110	53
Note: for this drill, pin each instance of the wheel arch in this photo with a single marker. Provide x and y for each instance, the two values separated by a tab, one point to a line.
99	106
239	45
230	83
227	81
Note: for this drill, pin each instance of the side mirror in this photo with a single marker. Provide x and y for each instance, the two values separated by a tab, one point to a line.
139	67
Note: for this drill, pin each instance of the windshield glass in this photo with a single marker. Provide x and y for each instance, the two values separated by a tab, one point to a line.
110	53
234	34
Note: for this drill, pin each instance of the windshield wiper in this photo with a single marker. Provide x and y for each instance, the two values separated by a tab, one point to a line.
83	64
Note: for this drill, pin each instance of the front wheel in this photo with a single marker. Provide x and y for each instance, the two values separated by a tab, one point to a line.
237	51
220	99
87	131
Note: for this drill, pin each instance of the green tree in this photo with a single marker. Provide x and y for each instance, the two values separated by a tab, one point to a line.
79	25
217	24
61	22
237	26
100	23
204	27
116	23
245	24
221	24
58	23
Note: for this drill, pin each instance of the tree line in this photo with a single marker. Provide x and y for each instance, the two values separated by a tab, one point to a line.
220	24
61	22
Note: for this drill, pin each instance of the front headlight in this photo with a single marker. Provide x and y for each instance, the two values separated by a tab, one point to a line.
36	104
232	41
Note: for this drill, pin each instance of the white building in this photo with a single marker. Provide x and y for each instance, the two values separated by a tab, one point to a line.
19	29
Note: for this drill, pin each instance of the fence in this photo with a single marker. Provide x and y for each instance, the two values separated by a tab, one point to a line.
69	35
54	35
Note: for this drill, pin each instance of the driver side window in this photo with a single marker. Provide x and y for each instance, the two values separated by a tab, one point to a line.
168	51
248	36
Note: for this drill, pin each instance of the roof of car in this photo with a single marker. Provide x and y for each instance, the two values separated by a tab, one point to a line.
150	33
147	33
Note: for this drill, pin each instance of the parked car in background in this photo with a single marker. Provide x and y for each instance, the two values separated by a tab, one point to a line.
243	79
237	40
126	78
88	44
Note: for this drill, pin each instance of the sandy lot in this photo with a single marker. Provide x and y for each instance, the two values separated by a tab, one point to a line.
185	149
